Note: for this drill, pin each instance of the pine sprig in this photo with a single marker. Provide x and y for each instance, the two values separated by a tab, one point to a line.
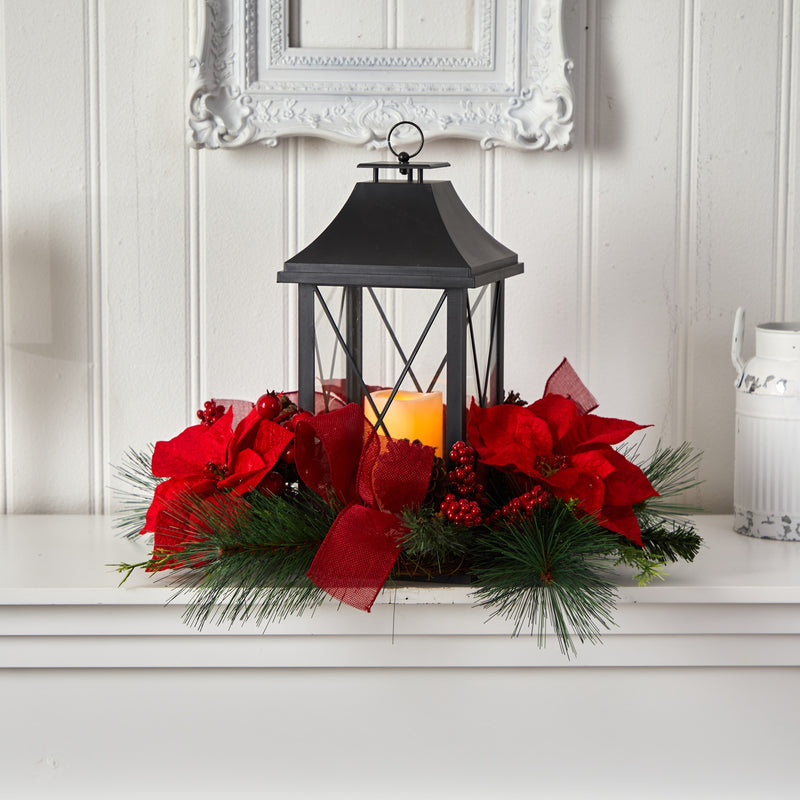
672	471
672	541
666	542
135	493
551	567
647	567
253	564
667	536
247	558
433	545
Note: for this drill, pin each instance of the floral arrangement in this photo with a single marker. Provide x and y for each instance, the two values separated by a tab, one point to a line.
262	510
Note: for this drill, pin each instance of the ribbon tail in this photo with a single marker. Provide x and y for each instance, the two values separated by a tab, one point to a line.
356	557
565	381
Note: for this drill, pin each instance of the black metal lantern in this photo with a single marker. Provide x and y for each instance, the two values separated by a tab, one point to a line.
397	236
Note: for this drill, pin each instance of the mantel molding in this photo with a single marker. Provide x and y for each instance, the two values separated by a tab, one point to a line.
61	605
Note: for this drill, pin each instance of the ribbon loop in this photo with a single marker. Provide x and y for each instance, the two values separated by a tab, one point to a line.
362	545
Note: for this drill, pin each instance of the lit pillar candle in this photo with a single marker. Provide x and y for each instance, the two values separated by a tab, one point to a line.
412	415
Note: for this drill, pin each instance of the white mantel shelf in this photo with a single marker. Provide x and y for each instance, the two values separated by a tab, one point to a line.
738	604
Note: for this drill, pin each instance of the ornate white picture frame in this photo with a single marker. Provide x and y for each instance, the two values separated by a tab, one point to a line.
248	85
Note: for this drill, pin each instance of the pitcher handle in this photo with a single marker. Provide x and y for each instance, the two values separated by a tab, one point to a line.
736	343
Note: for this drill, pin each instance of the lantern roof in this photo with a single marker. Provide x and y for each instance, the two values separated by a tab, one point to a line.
408	233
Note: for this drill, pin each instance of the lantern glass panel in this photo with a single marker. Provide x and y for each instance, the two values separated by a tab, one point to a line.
408	314
392	345
330	362
397	338
482	322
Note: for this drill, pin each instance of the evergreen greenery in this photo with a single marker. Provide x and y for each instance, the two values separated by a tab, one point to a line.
433	546
549	568
139	484
254	566
551	572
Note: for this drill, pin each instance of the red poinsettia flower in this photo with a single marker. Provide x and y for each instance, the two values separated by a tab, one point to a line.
255	447
206	463
191	462
194	451
171	519
569	453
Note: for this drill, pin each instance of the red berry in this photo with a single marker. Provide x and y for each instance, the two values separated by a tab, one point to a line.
288	454
268	405
210	413
272	483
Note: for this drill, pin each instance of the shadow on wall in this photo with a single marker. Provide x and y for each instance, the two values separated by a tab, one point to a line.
47	288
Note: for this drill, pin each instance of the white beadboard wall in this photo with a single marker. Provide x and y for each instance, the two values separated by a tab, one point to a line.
138	276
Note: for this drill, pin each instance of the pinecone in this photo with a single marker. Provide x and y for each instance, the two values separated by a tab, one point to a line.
513	399
437	486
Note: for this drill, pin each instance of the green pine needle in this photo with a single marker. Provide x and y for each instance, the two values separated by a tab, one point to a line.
136	492
433	546
254	565
672	541
549	568
672	471
647	567
251	564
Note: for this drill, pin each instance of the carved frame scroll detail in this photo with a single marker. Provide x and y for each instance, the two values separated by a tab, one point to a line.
248	85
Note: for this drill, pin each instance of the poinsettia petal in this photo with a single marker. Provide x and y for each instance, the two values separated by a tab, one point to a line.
591	430
580	485
244	433
246	461
188	453
627	485
243	482
271	440
622	520
254	451
596	461
559	412
508	436
167	516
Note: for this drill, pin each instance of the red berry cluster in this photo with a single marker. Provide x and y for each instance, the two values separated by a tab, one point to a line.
210	412
281	410
464	504
526	503
461	511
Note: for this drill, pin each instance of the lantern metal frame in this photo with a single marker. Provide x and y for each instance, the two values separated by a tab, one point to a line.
405	234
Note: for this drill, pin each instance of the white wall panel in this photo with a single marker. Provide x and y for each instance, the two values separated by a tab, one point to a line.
790	75
540	216
242	246
144	225
632	321
45	257
735	80
139	277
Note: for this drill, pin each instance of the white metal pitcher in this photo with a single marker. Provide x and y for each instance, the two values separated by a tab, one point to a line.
766	484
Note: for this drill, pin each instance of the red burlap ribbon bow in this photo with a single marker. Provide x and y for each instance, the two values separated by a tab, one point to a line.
376	477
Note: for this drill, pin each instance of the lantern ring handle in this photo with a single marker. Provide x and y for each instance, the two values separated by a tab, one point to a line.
402	156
